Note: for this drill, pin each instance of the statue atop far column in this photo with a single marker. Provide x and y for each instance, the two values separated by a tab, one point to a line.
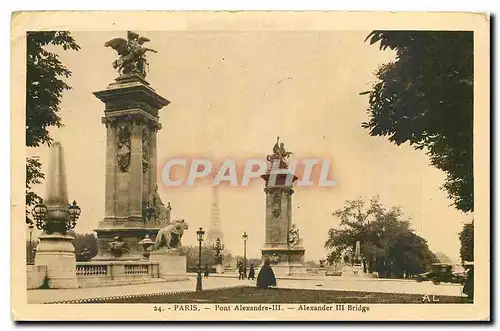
279	153
132	54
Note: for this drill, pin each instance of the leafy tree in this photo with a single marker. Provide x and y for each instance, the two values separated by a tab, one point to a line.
425	98
467	242
388	245
85	246
44	88
191	253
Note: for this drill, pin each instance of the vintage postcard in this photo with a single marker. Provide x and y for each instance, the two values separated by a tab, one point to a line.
260	166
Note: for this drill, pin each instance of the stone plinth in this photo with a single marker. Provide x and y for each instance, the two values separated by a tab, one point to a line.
131	116
170	262
57	254
290	260
131	236
35	276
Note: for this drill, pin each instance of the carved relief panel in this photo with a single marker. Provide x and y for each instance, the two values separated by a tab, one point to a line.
276	204
146	141
123	146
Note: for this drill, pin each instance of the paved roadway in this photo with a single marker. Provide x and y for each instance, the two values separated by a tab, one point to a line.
318	283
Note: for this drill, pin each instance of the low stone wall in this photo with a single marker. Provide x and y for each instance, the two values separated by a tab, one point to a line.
35	275
109	273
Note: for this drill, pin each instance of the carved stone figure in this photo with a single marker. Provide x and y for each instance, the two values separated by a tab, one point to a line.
117	247
145	149
293	236
274	259
131	54
154	209
170	236
123	147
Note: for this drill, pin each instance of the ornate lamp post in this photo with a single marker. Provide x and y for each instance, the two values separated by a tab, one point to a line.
30	245
200	233
56	217
245	238
218	247
58	223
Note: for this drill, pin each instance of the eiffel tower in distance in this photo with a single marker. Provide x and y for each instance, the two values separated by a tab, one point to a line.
214	230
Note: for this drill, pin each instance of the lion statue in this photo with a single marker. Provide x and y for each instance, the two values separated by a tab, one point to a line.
170	236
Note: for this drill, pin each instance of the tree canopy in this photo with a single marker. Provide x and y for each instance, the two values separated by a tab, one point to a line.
44	88
85	246
191	254
466	237
425	98
388	245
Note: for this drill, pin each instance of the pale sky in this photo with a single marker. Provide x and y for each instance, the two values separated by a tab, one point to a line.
231	95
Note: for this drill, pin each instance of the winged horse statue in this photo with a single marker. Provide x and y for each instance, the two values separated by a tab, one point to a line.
131	54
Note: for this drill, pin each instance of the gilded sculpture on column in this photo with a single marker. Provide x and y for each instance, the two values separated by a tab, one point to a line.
131	52
279	153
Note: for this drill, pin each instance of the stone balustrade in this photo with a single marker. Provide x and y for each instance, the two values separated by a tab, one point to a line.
91	270
109	273
102	273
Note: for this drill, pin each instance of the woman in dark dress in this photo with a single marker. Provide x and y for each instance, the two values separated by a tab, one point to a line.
266	276
251	272
207	271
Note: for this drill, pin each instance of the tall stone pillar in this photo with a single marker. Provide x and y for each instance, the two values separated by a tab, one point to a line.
136	181
282	247
110	191
131	116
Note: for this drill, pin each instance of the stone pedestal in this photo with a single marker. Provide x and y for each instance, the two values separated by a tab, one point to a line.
57	253
219	269
132	121
170	262
286	259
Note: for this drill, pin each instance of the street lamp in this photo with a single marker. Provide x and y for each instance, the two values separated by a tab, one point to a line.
245	238
218	247
200	233
57	219
30	246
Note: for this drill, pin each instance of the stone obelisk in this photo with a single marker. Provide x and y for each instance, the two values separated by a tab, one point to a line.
214	228
285	253
131	116
55	249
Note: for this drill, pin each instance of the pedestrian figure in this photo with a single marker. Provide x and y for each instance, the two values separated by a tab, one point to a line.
251	272
266	276
241	271
468	288
206	271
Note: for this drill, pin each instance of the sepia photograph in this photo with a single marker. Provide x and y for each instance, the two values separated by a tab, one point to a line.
250	166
